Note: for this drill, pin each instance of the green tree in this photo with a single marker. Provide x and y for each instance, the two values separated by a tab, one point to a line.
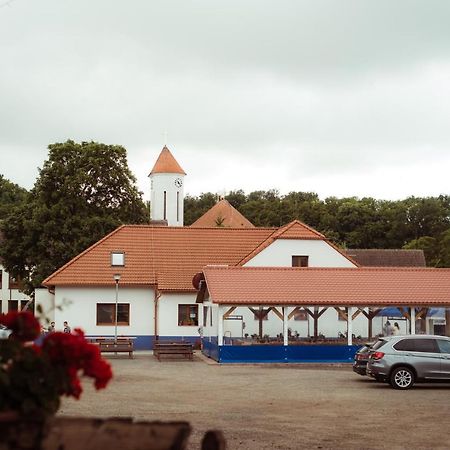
84	191
11	195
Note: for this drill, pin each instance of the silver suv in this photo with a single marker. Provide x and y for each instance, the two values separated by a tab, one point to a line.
404	360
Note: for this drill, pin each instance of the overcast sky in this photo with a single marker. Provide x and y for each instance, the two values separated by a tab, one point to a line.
344	98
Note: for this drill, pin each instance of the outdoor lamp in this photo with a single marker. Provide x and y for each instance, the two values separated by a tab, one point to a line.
116	277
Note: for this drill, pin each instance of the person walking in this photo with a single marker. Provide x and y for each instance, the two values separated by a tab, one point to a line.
67	329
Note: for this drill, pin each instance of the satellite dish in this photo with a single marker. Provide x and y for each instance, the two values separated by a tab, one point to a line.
197	279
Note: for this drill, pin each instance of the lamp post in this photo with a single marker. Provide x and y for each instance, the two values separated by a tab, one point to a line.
116	279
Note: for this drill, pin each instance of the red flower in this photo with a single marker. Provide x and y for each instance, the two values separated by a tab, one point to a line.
72	353
23	324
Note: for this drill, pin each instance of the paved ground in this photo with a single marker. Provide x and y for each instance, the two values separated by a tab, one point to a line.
273	407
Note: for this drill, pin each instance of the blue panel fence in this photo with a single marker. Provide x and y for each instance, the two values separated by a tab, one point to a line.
280	353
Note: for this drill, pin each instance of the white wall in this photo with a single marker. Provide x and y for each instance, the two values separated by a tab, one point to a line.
168	315
46	300
161	182
280	252
79	308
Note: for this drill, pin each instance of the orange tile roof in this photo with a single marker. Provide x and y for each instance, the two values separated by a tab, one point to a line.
166	163
293	230
166	256
359	286
225	212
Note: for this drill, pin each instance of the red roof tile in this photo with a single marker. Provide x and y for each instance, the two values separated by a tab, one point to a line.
387	257
223	214
329	286
166	163
167	256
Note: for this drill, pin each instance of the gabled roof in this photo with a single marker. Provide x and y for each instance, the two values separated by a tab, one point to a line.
223	214
359	286
164	256
387	257
293	230
166	163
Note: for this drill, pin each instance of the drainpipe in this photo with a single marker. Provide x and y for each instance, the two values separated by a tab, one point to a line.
157	297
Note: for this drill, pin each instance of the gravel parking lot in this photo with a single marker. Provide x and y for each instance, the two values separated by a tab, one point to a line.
272	407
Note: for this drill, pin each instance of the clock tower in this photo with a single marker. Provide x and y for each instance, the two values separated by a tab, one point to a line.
167	189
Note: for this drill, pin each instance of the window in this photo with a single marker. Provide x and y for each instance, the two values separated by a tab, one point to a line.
187	315
13	305
417	345
165	205
30	306
117	259
205	317
1	276
300	261
106	314
178	206
300	314
426	345
444	346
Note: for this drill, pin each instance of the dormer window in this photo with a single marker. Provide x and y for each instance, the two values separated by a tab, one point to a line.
117	259
300	261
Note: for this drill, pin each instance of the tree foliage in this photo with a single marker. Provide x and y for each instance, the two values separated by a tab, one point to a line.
350	222
11	195
84	191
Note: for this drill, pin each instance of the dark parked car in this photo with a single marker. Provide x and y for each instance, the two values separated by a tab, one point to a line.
405	360
361	359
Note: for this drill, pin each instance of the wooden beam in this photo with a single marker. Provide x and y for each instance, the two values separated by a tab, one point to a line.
357	313
228	313
277	313
293	312
405	312
342	313
322	311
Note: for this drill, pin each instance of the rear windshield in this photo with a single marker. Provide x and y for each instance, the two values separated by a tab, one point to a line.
378	344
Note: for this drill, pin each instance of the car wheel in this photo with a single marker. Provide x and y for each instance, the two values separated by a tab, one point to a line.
402	378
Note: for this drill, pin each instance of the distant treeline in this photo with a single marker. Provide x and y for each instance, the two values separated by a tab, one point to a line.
415	222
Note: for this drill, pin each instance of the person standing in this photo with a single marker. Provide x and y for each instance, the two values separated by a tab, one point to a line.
67	329
51	328
396	329
388	330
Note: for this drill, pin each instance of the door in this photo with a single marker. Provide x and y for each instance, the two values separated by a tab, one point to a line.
444	347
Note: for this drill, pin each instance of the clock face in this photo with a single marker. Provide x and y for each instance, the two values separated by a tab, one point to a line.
178	182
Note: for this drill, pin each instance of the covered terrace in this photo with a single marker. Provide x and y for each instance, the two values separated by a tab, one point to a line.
284	291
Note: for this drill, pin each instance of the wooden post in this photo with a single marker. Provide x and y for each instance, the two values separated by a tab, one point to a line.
285	325
349	326
413	321
260	318
316	322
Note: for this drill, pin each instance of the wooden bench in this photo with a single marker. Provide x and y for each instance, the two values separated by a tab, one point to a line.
173	348
108	345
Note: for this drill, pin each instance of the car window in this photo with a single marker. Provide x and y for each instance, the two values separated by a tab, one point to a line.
444	346
417	345
378	344
405	345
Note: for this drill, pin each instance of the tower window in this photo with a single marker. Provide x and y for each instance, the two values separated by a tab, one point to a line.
178	206
165	205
